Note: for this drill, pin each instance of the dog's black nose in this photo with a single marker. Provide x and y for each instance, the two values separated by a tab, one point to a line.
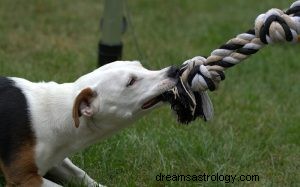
173	72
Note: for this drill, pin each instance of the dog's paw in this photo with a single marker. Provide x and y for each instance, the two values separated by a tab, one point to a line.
95	184
98	185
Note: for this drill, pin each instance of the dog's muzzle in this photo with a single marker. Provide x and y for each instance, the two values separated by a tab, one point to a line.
188	105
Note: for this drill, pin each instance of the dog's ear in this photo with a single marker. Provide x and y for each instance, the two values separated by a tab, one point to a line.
82	105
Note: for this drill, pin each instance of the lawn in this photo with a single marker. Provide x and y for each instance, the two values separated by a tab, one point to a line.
256	127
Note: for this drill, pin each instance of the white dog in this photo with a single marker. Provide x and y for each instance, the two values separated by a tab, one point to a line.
41	124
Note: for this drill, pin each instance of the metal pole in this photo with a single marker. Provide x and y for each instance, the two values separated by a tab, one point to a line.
112	27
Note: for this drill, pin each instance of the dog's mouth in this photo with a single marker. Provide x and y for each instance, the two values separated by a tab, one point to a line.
167	85
152	102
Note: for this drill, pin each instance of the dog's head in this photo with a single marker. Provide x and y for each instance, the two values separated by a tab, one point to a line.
121	91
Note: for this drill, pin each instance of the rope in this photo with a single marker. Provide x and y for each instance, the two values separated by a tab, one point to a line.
274	26
199	74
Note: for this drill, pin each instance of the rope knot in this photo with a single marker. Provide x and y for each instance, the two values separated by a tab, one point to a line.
200	77
277	26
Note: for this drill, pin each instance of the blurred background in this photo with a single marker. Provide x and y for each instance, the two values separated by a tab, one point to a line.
257	109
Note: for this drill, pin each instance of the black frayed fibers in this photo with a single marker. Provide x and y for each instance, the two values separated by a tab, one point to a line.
187	106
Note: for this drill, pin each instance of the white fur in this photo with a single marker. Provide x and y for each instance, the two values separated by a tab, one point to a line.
115	107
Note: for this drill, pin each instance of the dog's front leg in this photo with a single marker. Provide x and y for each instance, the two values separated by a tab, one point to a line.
48	183
67	172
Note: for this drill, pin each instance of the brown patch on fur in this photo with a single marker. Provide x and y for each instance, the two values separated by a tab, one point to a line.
298	38
22	172
84	96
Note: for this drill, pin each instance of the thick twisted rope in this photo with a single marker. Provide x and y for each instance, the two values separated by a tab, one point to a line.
272	27
200	74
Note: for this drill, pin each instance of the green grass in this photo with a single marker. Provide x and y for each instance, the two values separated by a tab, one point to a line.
256	126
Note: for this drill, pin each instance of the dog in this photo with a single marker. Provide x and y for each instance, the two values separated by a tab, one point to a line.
41	124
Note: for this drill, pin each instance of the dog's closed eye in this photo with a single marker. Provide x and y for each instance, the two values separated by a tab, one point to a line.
131	81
